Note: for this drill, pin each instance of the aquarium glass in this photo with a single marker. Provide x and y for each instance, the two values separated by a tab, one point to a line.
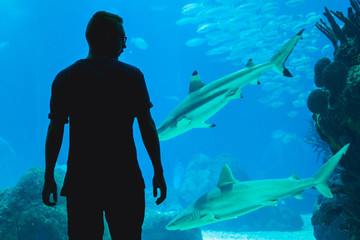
266	134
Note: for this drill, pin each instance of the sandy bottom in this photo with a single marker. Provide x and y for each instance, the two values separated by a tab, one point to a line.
305	234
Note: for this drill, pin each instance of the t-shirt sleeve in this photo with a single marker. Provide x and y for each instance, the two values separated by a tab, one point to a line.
142	95
58	102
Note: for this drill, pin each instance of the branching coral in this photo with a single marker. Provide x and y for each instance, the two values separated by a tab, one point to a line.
335	33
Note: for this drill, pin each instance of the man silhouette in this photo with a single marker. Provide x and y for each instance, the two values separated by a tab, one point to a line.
100	97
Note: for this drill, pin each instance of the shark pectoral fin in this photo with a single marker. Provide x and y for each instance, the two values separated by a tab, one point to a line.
234	94
298	195
209	217
271	203
238	94
250	64
183	122
256	81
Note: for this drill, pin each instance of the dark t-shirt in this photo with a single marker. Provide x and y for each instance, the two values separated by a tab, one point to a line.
101	98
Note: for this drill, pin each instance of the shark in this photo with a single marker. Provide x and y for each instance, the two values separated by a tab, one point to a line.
204	100
232	198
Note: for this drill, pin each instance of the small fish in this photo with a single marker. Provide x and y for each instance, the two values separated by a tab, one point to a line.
311	14
312	49
326	49
140	43
292	114
277	104
218	50
292	90
278	134
248	6
204	28
294	3
269	86
187	20
194	42
301	68
288	137
191	8
299	103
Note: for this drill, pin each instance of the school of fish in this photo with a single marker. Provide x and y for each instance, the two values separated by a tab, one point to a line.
236	30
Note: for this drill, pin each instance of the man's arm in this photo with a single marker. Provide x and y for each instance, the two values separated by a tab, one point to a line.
52	148
151	142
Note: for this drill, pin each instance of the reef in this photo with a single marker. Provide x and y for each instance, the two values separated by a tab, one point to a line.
336	114
23	216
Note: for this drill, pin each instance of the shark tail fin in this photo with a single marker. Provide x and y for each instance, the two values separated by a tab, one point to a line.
279	59
320	177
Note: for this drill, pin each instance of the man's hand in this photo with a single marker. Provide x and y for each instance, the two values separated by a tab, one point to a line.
49	188
159	182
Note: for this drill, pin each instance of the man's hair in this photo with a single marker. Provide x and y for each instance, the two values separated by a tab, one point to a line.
100	26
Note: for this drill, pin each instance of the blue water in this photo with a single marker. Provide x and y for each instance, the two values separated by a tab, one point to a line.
263	131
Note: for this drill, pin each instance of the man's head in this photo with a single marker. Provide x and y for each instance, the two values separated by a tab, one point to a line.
105	34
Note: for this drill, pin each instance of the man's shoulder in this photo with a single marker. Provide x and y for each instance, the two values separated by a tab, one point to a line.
127	66
83	66
73	67
113	63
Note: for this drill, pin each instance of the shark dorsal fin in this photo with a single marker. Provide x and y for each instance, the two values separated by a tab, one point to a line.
250	63
295	177
226	177
195	82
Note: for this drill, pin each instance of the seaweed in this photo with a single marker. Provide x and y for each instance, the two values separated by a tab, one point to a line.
320	147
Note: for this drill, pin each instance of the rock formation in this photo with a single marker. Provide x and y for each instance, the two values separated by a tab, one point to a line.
339	123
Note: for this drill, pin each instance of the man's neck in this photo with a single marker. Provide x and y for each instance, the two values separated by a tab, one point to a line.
91	55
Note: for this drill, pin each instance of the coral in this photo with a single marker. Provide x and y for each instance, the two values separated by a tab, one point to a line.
328	132
329	214
317	101
349	35
339	218
319	67
351	94
24	216
334	77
